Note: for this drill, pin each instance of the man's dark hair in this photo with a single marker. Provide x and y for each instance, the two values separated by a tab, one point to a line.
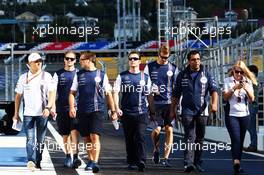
253	69
192	52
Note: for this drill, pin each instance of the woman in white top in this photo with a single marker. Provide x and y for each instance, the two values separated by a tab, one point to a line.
238	92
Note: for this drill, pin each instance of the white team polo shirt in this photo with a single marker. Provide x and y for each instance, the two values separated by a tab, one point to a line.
238	109
29	86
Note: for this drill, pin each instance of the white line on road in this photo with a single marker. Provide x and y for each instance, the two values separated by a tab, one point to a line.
59	140
46	164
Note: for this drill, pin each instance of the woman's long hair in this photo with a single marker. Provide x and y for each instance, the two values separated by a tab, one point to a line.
246	71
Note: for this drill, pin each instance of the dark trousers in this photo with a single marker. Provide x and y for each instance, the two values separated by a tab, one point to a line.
135	131
237	127
194	131
34	145
253	109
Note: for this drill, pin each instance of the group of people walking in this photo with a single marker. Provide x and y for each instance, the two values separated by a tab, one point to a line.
77	97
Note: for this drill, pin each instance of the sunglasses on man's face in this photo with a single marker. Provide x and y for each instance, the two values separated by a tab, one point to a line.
195	59
133	58
237	72
68	58
164	57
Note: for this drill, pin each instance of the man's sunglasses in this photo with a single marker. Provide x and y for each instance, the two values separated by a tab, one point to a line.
164	57
68	58
133	58
237	72
195	59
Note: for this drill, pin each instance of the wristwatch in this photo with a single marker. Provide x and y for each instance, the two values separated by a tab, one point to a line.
112	112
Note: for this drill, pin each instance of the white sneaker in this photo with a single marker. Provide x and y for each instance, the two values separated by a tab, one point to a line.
31	166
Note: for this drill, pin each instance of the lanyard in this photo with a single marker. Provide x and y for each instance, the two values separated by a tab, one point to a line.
29	79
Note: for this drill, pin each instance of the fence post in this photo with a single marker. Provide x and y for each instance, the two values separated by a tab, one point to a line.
12	72
6	82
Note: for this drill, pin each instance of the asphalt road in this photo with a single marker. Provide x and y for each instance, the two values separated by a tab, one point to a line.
216	161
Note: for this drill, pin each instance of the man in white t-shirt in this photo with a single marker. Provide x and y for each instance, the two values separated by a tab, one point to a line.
37	89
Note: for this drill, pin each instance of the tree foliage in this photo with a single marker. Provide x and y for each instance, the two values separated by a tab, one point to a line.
105	11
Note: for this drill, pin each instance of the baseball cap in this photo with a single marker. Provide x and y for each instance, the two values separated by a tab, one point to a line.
34	57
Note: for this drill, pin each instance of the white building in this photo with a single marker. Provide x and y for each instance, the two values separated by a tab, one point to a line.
179	13
82	21
231	20
130	31
44	20
3	2
30	1
82	2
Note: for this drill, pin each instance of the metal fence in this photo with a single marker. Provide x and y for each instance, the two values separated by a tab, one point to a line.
221	56
218	58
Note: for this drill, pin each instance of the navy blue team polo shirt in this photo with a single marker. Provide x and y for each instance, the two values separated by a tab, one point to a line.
64	82
91	89
164	77
194	88
134	88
